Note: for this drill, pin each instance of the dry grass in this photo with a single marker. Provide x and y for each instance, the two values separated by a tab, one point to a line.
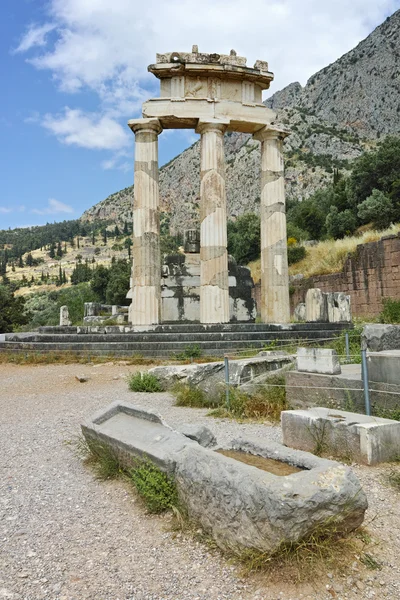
328	256
29	357
327	548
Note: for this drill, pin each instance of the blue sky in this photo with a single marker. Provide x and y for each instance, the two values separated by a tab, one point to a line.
74	71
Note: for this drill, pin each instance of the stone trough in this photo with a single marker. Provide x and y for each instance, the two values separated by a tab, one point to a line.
240	505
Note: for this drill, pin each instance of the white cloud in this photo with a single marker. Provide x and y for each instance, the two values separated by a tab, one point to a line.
87	130
34	36
5	210
54	207
105	48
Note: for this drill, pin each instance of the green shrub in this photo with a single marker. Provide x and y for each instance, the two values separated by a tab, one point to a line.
189	395
157	489
296	254
144	382
391	311
339	344
190	351
267	402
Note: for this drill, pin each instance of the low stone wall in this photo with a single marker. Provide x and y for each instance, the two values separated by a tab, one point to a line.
369	275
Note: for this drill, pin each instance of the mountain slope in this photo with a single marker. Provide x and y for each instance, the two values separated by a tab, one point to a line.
340	113
360	90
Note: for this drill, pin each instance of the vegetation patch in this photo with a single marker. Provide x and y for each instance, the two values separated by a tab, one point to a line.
391	311
144	382
266	403
326	548
156	488
190	395
189	352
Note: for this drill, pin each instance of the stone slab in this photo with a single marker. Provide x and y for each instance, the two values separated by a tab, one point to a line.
318	360
384	366
342	434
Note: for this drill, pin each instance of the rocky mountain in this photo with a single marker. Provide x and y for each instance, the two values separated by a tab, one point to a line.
361	90
339	114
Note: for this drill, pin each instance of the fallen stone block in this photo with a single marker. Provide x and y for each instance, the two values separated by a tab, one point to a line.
199	433
338	307
377	337
210	377
318	360
316	306
349	436
383	366
300	312
241	506
64	317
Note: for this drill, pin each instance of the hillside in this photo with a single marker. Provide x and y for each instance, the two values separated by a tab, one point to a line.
341	112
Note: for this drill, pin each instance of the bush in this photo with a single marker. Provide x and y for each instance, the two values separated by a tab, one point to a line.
188	395
157	489
267	402
191	351
144	382
391	311
296	254
377	208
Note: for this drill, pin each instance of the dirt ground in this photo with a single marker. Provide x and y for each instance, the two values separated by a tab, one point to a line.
65	535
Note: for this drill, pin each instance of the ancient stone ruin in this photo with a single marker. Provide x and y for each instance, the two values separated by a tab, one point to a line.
212	94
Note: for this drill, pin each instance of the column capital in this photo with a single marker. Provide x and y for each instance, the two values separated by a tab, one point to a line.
270	133
217	125
145	125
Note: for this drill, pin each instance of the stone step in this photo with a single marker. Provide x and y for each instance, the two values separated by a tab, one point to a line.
188	338
218	327
121	348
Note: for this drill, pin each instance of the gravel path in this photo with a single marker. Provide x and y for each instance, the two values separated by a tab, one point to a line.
64	535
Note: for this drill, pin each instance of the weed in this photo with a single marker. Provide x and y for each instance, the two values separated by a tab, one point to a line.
156	488
324	548
191	351
394	478
189	395
100	457
339	344
144	382
370	562
387	413
266	403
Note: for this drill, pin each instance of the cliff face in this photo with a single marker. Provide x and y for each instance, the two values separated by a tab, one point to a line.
333	119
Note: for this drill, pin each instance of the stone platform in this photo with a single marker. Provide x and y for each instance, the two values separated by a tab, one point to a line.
167	340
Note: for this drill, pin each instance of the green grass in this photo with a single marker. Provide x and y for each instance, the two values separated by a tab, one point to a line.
266	403
156	488
144	382
190	351
190	396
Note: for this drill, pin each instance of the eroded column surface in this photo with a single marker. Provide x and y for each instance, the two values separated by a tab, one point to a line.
275	307
146	272
214	289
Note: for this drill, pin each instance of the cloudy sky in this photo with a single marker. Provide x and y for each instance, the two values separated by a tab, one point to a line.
74	71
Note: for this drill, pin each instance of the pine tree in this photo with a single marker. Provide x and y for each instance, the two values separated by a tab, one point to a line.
59	250
29	260
20	263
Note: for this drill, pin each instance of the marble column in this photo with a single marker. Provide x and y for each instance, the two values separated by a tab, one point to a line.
146	273
275	307
214	287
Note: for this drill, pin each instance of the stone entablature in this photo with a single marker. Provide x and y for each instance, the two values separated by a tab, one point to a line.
196	85
212	94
